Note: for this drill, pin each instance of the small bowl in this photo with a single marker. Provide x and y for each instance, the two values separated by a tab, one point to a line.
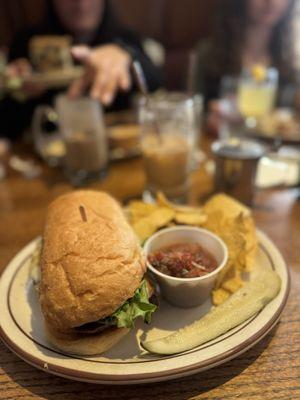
187	292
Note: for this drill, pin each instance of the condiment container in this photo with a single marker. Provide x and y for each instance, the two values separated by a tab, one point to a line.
187	292
236	164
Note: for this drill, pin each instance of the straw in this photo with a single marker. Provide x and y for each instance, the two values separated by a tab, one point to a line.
140	79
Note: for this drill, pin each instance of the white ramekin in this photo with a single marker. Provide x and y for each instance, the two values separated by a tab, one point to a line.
187	292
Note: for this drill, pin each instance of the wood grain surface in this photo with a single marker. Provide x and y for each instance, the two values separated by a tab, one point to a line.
270	370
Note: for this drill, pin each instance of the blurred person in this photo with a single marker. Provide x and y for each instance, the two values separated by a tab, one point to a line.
247	33
100	43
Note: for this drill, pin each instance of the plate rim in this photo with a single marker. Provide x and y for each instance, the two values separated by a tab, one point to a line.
95	377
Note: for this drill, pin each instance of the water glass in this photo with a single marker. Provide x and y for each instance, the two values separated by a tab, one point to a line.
82	127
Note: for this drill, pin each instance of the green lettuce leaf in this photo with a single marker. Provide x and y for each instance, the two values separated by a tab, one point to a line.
124	316
137	306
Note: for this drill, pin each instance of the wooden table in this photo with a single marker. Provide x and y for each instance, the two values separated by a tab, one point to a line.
270	370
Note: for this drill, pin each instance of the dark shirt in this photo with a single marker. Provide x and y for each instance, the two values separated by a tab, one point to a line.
205	83
16	115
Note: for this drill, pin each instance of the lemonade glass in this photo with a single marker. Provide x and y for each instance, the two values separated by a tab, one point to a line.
257	91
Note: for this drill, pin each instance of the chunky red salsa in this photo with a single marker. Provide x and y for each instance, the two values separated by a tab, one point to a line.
183	260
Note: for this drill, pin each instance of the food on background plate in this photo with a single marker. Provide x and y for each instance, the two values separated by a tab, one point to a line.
92	284
50	53
183	260
246	302
222	215
281	122
125	137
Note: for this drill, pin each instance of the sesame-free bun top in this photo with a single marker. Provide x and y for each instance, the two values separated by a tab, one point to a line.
91	260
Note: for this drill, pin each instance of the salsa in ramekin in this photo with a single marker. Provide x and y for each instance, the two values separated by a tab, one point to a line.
194	256
183	260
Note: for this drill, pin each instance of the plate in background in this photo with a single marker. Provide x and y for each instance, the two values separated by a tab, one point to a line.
56	79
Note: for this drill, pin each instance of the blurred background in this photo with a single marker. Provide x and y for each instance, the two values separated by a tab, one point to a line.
223	69
177	25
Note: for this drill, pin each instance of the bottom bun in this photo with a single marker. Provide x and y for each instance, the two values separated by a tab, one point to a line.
85	345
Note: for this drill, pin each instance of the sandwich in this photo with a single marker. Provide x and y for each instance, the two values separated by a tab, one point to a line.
92	285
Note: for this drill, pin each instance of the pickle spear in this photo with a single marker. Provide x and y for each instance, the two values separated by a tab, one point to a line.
243	304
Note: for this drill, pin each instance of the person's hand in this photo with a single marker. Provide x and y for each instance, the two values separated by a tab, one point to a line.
19	71
107	70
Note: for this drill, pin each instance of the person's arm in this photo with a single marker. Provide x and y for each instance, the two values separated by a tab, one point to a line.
153	73
15	117
15	109
108	75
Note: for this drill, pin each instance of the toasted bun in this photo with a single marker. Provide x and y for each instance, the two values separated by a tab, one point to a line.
85	345
88	345
89	267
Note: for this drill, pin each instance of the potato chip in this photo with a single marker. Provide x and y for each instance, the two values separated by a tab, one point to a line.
161	217
230	207
233	285
139	209
219	296
232	221
162	201
146	226
190	218
143	229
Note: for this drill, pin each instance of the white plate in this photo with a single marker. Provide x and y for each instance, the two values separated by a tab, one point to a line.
274	171
56	79
21	329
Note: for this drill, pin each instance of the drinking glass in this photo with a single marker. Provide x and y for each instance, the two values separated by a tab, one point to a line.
230	121
48	142
169	134
257	94
82	127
